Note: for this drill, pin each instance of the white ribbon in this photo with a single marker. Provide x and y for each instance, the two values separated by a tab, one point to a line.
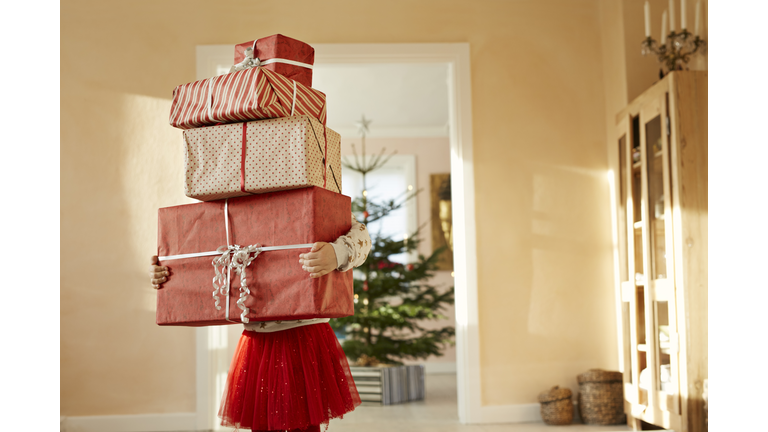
250	62
232	257
281	60
258	62
214	253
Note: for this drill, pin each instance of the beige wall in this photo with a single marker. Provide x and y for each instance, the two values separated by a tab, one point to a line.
543	219
543	225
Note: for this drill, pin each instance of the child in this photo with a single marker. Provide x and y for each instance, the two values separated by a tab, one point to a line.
291	375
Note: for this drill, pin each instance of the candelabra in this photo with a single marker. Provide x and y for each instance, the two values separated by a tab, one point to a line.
675	51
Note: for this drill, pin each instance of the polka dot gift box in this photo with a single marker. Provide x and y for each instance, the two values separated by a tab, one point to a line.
239	159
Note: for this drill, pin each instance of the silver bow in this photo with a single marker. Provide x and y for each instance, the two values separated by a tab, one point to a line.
236	258
248	62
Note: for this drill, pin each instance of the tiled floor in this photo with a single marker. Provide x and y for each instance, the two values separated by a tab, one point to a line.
438	413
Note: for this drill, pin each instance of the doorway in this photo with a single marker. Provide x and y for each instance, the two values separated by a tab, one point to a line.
215	345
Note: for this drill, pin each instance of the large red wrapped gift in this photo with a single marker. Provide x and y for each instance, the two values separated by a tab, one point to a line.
289	57
217	251
251	94
239	159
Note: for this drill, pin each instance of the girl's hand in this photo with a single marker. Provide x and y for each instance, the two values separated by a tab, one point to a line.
319	261
157	274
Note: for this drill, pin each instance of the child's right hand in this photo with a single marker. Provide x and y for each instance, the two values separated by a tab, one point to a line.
157	274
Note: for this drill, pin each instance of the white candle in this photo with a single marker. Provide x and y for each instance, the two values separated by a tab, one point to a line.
671	16
648	19
698	17
664	28
683	21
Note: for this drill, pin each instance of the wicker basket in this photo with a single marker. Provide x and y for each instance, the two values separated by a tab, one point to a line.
601	397
556	406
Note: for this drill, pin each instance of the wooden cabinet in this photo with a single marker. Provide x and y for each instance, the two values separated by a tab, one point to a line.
661	196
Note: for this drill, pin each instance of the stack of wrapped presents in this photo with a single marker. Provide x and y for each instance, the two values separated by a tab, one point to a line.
267	170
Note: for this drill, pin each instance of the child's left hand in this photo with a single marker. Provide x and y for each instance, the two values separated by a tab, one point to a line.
319	261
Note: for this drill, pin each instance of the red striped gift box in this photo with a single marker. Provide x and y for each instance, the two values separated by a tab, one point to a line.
247	95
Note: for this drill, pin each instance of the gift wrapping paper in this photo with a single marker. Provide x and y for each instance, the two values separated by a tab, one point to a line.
239	159
282	289
281	47
246	95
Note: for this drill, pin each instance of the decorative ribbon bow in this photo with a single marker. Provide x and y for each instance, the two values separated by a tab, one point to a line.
250	62
236	258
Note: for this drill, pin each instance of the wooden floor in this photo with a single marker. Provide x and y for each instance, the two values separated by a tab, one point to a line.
438	413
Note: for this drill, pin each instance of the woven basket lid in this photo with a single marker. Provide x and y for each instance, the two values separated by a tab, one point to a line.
554	394
599	375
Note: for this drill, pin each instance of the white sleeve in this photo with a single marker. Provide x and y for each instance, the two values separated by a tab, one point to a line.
352	248
342	254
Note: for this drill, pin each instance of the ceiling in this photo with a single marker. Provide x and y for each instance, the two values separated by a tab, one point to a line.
401	100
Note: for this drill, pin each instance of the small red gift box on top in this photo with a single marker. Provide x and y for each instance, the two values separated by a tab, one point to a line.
192	237
288	57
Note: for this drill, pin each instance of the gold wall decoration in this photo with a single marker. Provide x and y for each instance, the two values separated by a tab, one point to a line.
441	220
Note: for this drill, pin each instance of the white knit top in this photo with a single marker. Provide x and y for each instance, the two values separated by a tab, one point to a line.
351	251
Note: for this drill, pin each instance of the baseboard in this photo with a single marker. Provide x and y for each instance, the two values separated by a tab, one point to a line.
522	413
172	422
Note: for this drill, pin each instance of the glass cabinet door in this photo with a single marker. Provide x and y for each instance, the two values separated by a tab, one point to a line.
656	199
661	372
637	230
631	260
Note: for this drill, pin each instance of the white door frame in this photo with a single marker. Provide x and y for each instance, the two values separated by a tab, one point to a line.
211	362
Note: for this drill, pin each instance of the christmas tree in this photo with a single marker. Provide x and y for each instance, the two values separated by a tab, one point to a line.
392	299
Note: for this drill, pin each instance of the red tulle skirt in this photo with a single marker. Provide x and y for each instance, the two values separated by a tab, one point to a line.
295	379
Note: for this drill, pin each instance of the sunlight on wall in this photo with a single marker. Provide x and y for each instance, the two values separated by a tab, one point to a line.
614	222
219	341
217	337
221	382
616	264
152	163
